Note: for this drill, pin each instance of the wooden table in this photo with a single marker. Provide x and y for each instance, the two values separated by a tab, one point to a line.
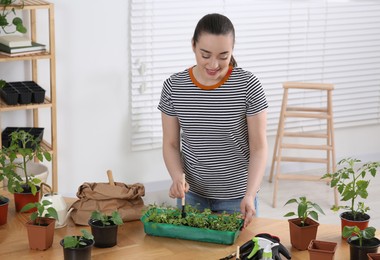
133	243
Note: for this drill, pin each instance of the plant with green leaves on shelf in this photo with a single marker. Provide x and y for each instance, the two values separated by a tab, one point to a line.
26	146
17	22
305	209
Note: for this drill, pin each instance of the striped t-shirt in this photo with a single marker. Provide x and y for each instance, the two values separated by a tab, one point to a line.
214	133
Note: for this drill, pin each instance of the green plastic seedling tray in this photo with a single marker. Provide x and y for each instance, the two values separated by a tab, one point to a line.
189	233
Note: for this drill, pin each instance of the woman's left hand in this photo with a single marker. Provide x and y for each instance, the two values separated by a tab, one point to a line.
248	210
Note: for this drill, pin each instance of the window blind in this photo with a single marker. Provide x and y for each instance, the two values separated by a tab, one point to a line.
334	42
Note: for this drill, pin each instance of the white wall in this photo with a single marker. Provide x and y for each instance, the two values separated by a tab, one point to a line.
93	102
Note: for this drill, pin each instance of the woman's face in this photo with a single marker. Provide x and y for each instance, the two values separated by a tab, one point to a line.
213	55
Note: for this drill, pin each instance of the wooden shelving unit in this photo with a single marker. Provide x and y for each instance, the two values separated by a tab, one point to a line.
31	6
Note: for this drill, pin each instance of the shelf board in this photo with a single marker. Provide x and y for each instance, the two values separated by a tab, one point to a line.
31	4
5	107
33	56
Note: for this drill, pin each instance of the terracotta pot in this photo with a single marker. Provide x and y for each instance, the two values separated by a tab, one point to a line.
41	237
373	256
358	252
361	224
300	237
21	199
321	250
4	202
80	253
104	236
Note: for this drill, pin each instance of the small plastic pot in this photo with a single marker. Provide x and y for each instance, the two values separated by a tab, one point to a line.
104	236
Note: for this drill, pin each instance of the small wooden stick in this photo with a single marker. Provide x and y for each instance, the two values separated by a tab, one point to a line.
183	199
110	178
238	253
184	185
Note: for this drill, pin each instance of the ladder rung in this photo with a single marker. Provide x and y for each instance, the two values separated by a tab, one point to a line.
306	135
304	85
307	109
307	115
306	146
300	177
303	159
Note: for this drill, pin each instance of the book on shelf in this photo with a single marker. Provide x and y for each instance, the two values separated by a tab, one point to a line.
20	53
35	47
15	41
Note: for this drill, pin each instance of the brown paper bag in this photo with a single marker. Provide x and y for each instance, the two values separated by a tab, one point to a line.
126	199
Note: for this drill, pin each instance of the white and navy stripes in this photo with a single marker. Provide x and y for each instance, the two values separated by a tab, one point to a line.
214	135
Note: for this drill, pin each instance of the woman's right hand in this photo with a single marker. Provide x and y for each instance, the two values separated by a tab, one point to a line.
178	188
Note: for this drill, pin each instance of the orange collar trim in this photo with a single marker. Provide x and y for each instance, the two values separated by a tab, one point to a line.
204	87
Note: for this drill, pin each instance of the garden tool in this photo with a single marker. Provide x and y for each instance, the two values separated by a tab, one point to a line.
262	246
183	214
255	249
58	202
110	178
237	253
276	251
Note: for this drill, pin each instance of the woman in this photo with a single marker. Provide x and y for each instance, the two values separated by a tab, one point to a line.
214	125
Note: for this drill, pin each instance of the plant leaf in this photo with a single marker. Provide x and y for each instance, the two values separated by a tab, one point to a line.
369	232
116	218
28	207
314	214
290	201
52	212
302	208
289	214
70	242
318	208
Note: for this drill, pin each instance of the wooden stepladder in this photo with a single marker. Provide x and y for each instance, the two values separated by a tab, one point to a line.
316	144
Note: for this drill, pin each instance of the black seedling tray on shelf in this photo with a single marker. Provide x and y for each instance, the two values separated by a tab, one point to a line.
9	94
22	92
37	132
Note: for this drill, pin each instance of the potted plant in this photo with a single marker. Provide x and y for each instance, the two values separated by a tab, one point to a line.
78	247
351	182
16	21
4	202
41	225
373	256
303	229
361	241
104	228
196	225
26	146
321	250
